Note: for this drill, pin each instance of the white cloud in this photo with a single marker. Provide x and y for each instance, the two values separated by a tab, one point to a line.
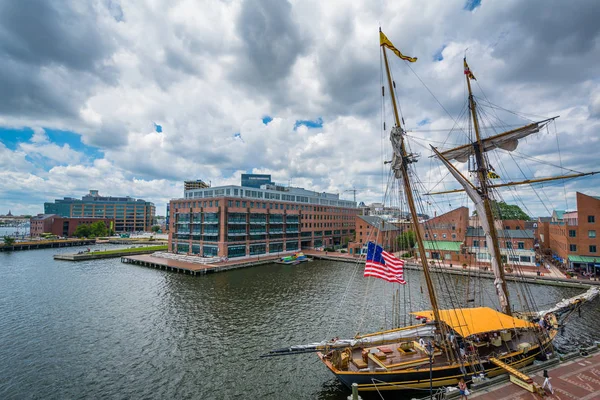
210	69
40	146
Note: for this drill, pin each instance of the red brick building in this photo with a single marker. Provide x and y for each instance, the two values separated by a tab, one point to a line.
61	226
374	229
234	221
572	236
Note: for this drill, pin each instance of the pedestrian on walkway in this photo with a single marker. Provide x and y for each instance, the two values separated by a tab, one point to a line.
462	388
547	382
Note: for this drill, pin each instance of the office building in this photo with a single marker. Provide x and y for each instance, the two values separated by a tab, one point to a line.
128	214
238	221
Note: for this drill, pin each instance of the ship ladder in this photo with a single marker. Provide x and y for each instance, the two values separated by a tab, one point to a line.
475	363
518	378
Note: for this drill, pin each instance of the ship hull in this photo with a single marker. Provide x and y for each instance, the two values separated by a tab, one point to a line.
419	379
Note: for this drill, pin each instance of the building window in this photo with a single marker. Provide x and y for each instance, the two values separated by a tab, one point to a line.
572	247
444	236
521	245
591	219
525	259
454	236
509	245
592	248
426	235
591	234
572	233
475	243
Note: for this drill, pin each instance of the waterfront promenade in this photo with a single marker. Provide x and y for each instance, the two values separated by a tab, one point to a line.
195	266
575	379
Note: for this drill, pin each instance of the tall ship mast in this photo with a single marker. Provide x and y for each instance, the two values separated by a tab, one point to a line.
436	347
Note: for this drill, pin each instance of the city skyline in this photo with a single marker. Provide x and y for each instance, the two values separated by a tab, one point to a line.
134	99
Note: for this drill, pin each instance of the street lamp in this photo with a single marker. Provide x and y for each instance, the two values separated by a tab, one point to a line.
429	351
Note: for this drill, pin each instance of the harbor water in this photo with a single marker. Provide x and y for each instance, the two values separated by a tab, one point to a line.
103	329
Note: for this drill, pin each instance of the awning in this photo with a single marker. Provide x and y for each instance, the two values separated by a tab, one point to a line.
584	259
471	321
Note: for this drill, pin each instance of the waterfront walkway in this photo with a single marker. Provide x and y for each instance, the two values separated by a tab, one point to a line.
576	379
196	266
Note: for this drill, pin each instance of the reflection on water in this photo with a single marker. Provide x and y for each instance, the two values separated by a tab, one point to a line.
104	329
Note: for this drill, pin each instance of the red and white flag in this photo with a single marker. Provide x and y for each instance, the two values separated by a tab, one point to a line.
384	265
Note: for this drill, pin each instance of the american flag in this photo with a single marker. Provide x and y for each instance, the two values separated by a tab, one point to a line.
384	265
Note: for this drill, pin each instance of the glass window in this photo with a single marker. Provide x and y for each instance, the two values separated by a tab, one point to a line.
509	245
592	248
591	234
572	247
591	219
572	233
525	259
521	245
475	243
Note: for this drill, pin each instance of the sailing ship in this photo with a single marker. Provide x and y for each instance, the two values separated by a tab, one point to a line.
446	344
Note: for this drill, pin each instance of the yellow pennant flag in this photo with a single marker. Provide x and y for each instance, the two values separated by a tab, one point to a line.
468	71
493	175
384	41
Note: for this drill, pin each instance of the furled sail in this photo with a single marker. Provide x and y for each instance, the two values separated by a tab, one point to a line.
506	141
479	206
411	333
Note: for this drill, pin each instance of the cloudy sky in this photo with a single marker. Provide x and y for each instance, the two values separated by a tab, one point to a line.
133	97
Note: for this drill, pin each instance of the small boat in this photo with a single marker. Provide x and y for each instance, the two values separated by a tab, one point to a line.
294	259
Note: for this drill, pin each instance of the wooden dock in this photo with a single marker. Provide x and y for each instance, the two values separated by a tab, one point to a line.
47	244
191	268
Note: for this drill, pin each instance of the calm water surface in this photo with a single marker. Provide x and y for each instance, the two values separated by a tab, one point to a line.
102	329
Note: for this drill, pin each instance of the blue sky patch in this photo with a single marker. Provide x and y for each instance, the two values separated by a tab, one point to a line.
13	137
472	4
438	56
424	122
266	119
317	123
157	127
238	135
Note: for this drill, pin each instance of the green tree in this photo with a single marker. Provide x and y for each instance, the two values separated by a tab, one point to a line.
156	228
8	241
83	230
98	229
504	211
406	241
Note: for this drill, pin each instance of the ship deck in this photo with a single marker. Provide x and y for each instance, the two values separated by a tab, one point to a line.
412	355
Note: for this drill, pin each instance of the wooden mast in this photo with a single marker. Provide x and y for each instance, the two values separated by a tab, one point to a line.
484	190
410	199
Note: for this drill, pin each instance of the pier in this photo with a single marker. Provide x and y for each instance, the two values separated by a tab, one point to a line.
46	244
96	255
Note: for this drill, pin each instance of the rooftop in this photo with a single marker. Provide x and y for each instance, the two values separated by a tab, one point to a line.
505	233
378	223
441	245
